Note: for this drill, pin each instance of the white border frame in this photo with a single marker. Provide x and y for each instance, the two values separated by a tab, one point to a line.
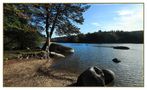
71	1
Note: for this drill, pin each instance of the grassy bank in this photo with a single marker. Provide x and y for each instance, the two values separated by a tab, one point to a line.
15	54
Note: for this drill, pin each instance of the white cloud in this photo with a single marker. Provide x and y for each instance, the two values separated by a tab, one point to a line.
128	19
124	12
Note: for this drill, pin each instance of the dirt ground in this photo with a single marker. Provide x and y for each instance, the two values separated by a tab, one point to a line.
24	73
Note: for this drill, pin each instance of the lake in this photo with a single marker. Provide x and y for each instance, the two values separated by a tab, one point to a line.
129	72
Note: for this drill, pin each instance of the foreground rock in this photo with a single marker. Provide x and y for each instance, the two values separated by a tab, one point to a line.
121	47
109	77
116	60
95	77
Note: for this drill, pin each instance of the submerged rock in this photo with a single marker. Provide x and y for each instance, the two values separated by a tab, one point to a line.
121	47
116	60
95	77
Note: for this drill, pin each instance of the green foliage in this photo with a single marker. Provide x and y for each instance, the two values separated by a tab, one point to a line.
13	18
62	17
21	39
17	31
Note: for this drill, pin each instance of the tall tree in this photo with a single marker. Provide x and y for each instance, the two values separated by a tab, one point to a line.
60	18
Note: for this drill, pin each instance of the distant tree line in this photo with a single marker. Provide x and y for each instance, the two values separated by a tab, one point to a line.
104	37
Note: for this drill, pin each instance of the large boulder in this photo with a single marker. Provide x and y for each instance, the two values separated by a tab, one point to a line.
58	48
94	76
91	77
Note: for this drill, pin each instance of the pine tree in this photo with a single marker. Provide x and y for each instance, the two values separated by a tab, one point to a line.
61	18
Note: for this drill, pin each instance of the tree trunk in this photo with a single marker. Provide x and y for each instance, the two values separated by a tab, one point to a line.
46	45
51	32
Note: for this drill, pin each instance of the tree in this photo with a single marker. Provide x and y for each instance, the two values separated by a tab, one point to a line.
60	18
17	32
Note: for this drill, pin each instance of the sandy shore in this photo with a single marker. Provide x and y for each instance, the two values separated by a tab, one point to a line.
24	73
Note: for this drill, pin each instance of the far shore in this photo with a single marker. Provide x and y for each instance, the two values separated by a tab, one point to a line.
97	43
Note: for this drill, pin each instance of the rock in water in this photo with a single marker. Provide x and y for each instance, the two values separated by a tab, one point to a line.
91	77
56	54
116	60
96	77
58	48
121	47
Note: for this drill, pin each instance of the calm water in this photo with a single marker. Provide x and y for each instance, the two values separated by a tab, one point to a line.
129	72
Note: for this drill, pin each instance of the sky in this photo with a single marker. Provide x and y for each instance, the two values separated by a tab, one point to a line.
107	17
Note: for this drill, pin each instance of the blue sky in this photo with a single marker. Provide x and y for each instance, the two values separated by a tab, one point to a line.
106	17
126	17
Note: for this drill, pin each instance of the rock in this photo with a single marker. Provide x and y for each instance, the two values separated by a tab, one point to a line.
116	60
94	76
58	48
91	77
27	57
109	77
28	49
19	56
121	47
54	54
